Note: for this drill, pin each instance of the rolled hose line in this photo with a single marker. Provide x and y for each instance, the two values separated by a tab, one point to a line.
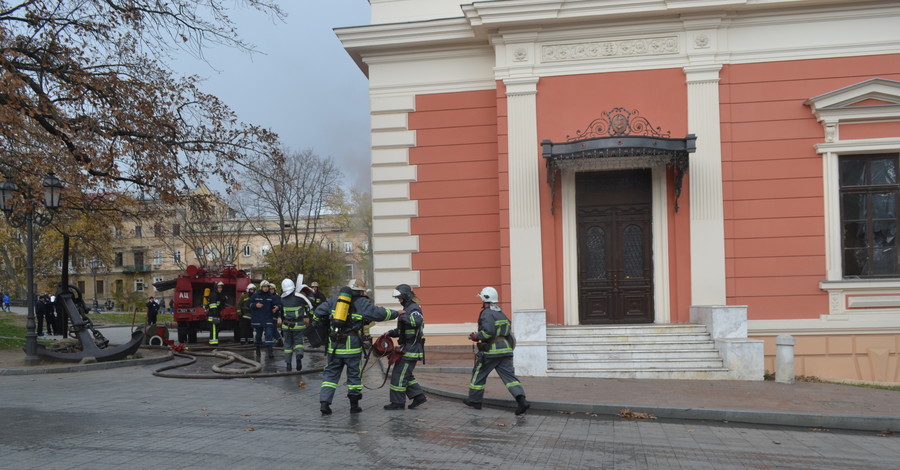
252	371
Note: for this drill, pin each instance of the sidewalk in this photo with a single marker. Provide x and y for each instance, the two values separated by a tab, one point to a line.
812	405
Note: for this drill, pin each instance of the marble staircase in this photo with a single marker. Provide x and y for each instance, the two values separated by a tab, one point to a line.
652	351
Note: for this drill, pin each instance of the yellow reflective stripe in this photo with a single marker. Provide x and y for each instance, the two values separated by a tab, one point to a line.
329	384
513	384
413	354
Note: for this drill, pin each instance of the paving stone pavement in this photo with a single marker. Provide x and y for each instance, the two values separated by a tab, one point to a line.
128	418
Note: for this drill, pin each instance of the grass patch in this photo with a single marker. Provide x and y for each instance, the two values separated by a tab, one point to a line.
12	331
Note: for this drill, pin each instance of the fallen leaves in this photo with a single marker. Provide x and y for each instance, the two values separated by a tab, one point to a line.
249	429
628	414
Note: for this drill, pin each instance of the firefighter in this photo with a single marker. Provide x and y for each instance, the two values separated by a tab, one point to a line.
263	308
495	351
244	330
411	339
216	302
346	313
296	309
317	296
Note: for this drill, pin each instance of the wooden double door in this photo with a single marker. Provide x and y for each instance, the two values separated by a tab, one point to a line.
615	259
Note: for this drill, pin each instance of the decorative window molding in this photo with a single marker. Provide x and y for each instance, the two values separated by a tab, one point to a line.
873	101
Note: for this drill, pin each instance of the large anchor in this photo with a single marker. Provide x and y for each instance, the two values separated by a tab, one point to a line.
69	299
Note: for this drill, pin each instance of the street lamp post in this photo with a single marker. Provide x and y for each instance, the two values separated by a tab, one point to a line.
95	265
9	193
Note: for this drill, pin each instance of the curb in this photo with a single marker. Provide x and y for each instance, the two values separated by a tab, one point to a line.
774	418
89	367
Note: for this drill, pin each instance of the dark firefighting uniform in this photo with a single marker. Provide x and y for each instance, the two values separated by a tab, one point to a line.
216	303
495	352
263	319
344	348
295	309
409	331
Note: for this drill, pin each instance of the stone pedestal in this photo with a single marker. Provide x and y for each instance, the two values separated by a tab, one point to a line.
530	329
784	359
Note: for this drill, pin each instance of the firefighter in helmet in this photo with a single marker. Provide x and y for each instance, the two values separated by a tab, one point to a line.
411	339
295	311
495	351
216	302
346	314
244	331
263	308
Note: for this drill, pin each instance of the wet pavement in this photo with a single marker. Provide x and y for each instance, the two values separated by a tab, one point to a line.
129	418
126	417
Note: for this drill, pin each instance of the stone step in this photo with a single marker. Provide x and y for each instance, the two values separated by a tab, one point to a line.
594	356
634	338
667	364
625	329
683	374
703	344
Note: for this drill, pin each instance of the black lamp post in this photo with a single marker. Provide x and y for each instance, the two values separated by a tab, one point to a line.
95	266
32	214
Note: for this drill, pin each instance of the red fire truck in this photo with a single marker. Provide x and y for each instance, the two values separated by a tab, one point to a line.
190	289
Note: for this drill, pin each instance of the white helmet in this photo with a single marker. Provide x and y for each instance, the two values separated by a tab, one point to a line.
251	286
357	285
265	284
489	294
287	287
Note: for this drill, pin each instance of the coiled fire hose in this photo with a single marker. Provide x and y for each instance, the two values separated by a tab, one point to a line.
251	370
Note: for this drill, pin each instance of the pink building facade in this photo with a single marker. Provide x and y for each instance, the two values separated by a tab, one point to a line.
622	163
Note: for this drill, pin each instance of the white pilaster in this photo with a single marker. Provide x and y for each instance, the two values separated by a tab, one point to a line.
527	290
705	176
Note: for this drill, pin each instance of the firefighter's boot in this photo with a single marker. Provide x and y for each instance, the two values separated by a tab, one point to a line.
417	400
354	405
523	405
288	366
325	408
299	364
269	353
258	353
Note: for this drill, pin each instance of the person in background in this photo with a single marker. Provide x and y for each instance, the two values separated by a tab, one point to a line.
152	310
245	331
317	296
44	312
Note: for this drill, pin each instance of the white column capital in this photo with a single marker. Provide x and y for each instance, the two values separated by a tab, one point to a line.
696	74
521	86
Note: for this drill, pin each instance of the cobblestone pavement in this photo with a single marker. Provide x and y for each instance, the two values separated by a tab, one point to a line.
127	418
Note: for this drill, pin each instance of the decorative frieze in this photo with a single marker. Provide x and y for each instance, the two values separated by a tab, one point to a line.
607	49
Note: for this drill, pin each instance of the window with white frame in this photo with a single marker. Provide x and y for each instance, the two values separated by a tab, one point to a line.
176	256
157	257
156	280
138	232
139	285
861	160
264	250
348	247
229	252
869	201
349	269
247	250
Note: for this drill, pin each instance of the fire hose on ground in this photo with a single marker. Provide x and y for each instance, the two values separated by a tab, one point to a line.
251	368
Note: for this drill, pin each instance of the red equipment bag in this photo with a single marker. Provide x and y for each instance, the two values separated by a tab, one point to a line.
384	346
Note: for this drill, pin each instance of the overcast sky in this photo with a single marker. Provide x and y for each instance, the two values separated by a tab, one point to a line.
303	85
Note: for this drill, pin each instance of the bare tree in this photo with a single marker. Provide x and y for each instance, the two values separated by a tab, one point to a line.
285	201
206	225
